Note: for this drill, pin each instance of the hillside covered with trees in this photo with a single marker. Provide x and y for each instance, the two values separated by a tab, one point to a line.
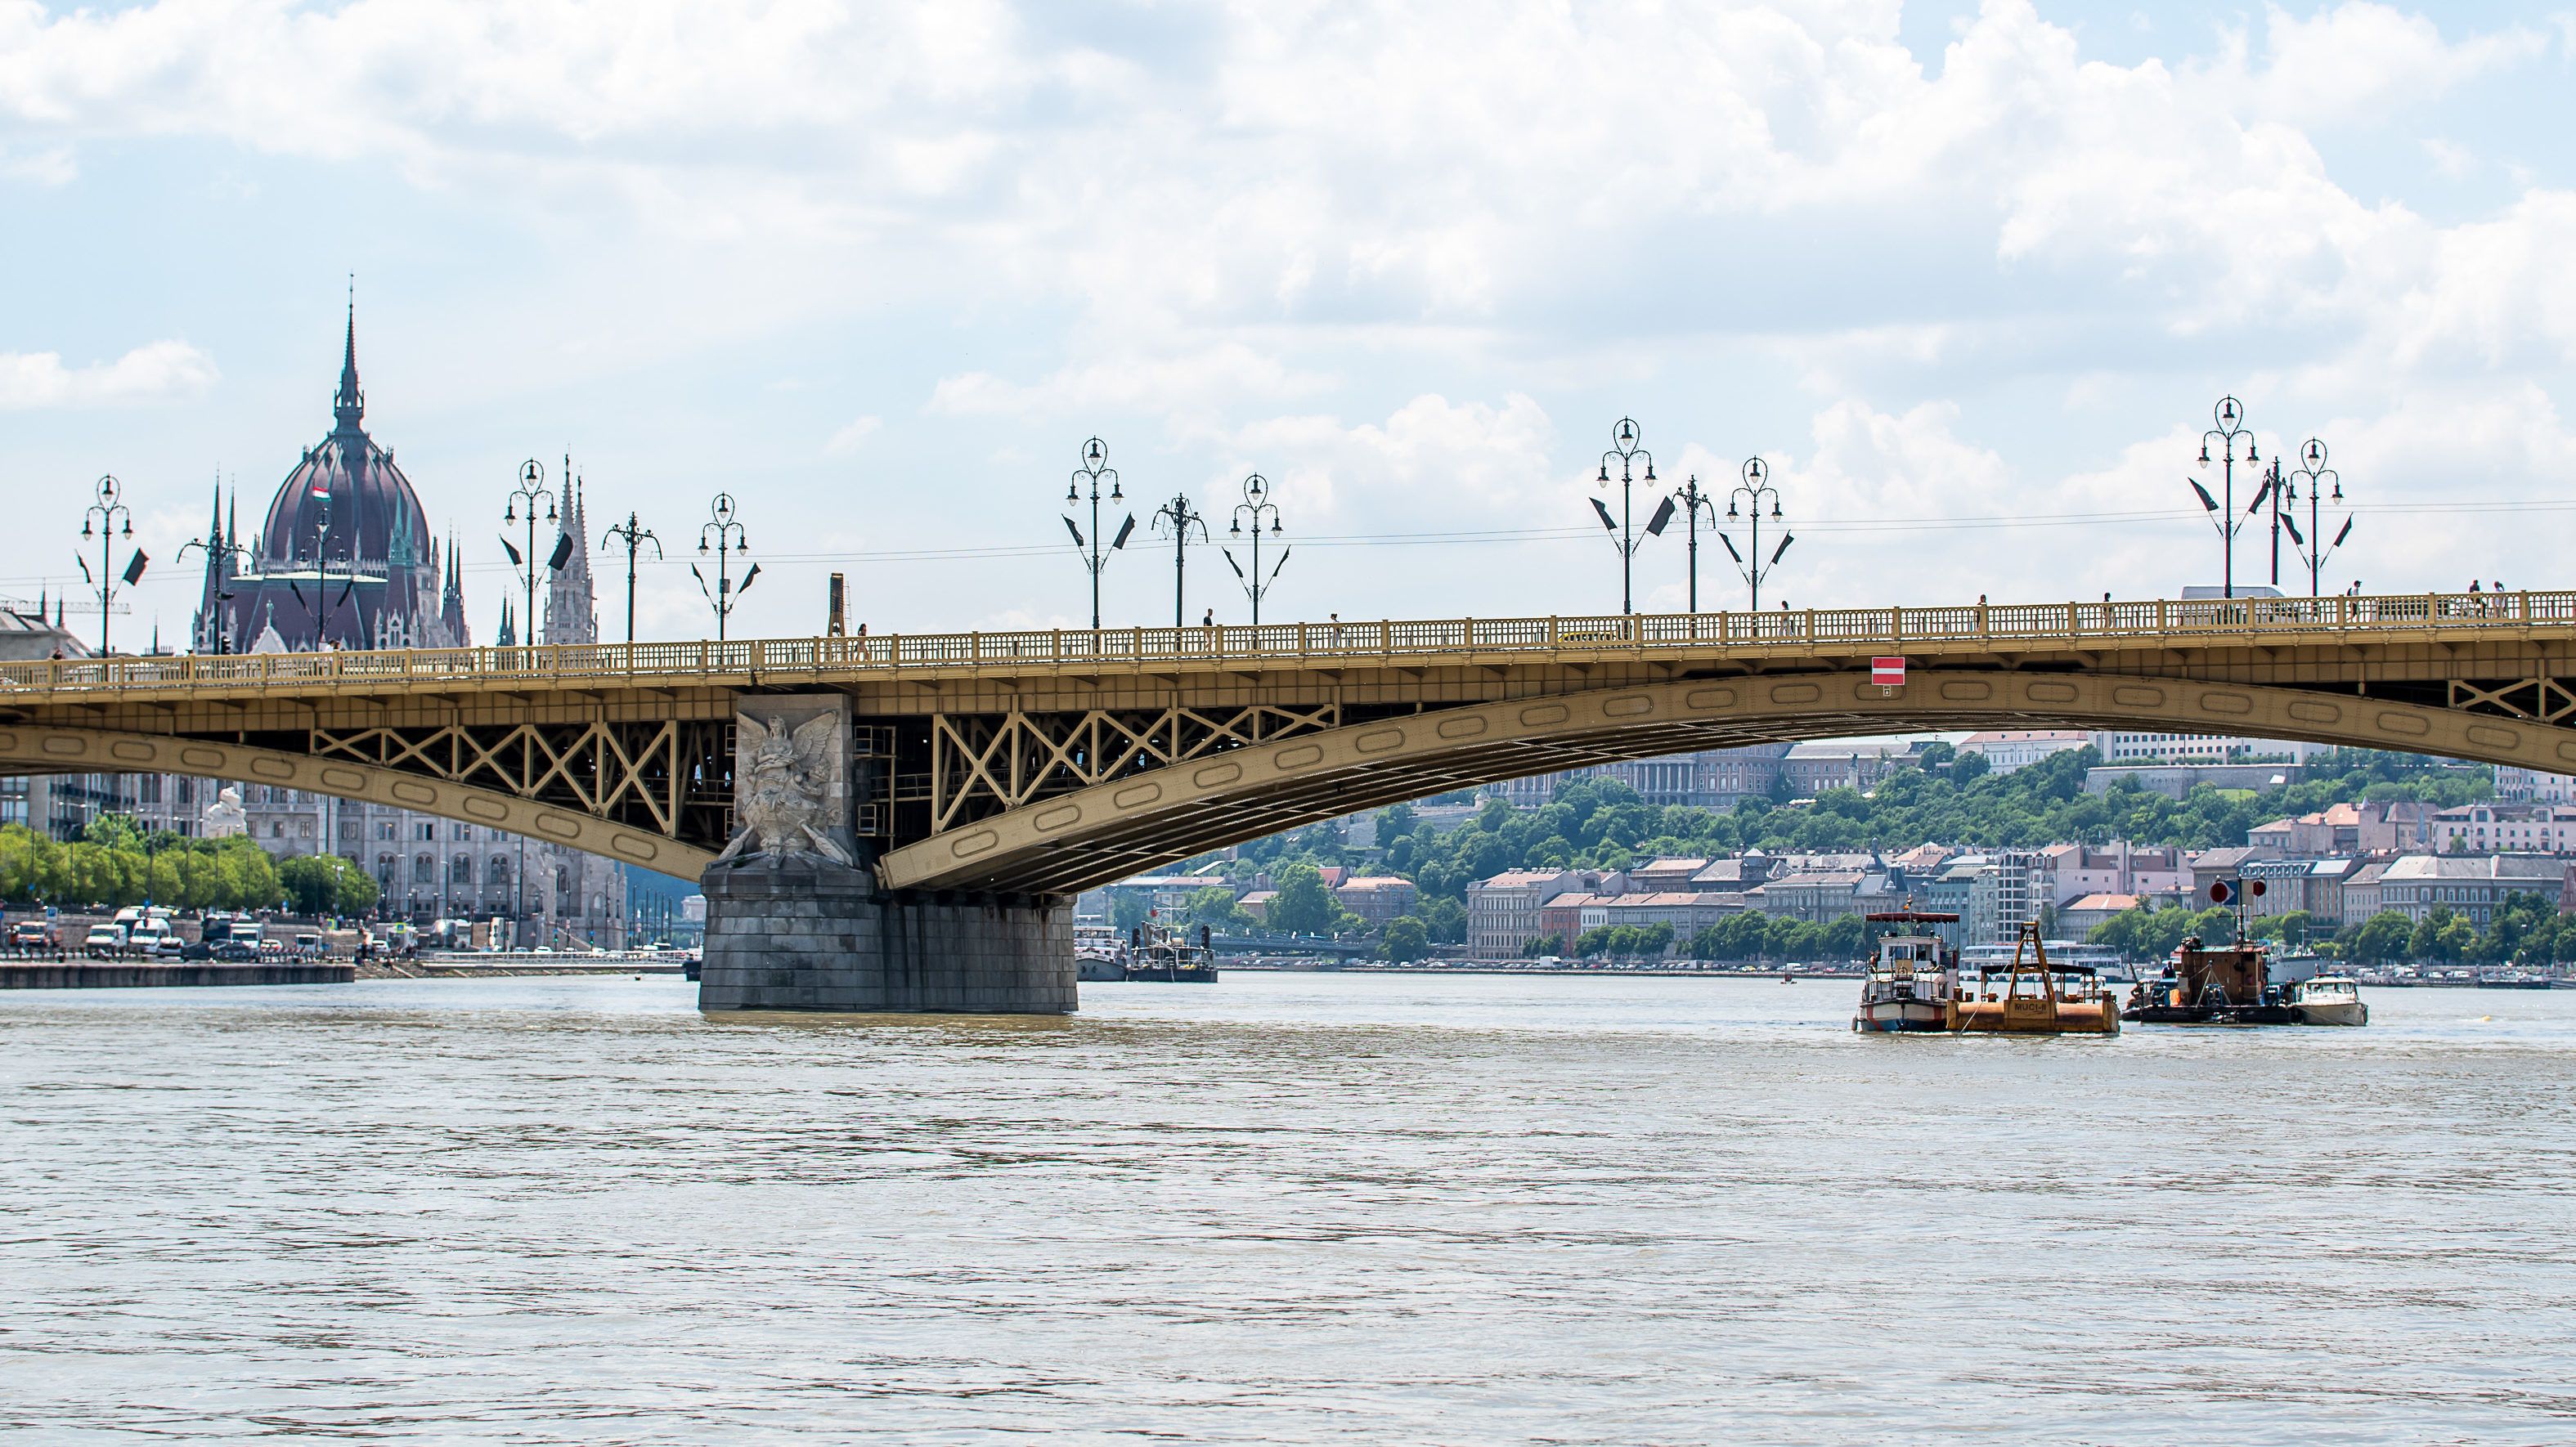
1951	799
1603	824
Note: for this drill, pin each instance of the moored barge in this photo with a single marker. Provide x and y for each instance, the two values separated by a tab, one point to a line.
1916	986
2240	984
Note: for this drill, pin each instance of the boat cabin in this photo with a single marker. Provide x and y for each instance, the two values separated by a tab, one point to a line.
2229	977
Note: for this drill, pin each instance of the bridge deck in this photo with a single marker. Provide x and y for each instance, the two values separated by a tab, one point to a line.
2446	618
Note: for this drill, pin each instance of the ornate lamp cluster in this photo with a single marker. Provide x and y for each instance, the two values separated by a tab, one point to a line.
1745	502
1179	520
2278	491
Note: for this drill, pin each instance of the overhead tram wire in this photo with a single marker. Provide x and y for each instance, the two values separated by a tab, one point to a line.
1504	536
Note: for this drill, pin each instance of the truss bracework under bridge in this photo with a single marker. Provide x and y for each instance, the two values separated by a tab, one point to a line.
1045	762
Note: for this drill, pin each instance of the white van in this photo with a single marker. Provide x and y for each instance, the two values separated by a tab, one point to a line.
104	940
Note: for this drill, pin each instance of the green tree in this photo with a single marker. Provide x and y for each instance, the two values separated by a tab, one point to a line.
1393	823
114	831
1406	939
2440	937
1446	920
356	888
1214	907
1845	937
2382	937
2291	930
326	884
1624	941
29	864
1304	907
2519	930
1543	945
1128	909
1745	935
247	876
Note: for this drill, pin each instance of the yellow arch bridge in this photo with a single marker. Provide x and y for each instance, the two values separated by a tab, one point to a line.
1041	763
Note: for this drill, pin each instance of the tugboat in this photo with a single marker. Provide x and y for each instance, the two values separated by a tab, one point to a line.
2228	985
1157	953
1913	984
2241	984
2037	997
1098	954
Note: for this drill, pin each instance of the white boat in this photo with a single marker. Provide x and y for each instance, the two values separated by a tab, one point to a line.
1099	953
2329	1000
1913	979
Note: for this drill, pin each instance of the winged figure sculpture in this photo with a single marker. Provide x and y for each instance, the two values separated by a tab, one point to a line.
781	797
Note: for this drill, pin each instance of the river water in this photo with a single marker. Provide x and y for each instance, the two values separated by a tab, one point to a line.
1279	1209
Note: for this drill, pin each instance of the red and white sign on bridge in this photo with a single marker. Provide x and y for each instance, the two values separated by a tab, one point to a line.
1887	672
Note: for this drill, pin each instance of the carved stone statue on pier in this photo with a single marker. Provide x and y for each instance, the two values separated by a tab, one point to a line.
784	791
796	916
226	817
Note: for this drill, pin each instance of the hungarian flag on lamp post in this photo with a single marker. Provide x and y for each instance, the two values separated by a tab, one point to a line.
1887	672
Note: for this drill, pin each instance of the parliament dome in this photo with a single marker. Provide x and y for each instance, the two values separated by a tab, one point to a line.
346	557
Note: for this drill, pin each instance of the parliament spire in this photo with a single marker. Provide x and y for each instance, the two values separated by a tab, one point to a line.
349	408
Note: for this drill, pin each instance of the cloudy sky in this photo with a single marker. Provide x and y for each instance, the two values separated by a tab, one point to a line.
1969	277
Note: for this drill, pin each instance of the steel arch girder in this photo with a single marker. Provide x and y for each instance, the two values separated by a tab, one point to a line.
1096	835
53	750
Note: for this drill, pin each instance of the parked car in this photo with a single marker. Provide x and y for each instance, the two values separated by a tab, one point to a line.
104	940
235	952
35	934
164	947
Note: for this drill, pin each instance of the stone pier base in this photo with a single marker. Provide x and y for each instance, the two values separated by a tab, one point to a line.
805	934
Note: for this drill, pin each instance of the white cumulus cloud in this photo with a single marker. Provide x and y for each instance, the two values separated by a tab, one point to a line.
161	371
846	441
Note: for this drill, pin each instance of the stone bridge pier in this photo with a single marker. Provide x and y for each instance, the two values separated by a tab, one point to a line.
798	920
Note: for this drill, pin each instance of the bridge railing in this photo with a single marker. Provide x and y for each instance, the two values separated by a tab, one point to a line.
1892	629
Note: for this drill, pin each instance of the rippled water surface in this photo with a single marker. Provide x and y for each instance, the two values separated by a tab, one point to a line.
1279	1209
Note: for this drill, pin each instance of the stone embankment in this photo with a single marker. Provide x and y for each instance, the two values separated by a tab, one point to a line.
71	974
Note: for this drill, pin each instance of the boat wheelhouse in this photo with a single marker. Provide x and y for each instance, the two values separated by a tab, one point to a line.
1912	980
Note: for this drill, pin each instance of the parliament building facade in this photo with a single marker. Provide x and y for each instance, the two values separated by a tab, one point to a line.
346	558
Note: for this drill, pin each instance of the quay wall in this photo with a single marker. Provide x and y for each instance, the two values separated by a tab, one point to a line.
138	975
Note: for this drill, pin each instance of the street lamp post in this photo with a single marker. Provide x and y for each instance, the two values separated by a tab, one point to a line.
1624	447
1095	466
531	489
2313	550
2230	415
635	536
1693	503
232	555
1749	495
1177	517
103	518
1256	508
724	537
